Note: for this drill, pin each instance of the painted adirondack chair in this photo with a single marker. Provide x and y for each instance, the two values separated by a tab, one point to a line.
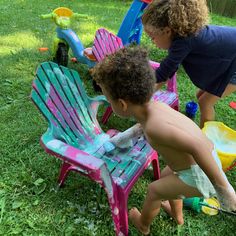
106	43
131	28
75	137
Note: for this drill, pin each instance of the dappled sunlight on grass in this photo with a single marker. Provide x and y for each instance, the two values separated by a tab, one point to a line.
86	29
15	42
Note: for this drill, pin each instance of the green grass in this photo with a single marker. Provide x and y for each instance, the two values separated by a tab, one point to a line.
30	202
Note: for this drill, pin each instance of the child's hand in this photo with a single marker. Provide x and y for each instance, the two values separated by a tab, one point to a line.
121	141
124	139
226	197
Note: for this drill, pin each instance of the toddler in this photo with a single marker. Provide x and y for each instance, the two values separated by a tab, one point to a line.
194	169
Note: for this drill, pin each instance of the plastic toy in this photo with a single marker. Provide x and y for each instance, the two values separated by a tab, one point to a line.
201	205
75	136
43	49
191	109
193	203
224	139
66	38
129	31
232	105
209	206
131	28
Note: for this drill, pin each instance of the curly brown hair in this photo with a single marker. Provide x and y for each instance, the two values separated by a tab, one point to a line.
184	17
127	75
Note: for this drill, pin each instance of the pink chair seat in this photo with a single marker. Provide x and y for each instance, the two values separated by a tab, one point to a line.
166	97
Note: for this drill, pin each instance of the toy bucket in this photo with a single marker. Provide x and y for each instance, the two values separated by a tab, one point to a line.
224	139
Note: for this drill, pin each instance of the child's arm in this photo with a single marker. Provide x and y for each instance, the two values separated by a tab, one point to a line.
124	139
178	139
178	51
226	197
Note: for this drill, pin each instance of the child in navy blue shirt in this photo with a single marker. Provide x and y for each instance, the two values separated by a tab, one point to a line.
207	52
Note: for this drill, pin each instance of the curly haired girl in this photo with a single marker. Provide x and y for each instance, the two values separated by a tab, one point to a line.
207	52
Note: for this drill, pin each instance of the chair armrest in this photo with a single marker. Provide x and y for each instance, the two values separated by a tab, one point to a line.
71	154
97	101
171	82
101	99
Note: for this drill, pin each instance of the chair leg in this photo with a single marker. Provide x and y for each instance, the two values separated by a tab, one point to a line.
176	106
156	168
63	173
106	115
119	213
123	213
114	206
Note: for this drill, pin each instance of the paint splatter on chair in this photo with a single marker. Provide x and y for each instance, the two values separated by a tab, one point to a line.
106	43
75	137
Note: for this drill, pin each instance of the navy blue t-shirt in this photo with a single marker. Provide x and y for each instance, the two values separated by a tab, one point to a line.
209	58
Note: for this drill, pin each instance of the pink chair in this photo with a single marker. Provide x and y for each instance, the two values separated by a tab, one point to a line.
106	43
75	136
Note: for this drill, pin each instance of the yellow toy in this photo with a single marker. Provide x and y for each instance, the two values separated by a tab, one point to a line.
224	139
214	206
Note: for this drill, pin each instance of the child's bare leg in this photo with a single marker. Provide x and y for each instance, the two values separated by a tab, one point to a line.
169	187
199	93
173	207
206	104
207	101
151	208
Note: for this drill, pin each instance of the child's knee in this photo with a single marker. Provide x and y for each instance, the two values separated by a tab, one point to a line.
166	171
152	191
204	103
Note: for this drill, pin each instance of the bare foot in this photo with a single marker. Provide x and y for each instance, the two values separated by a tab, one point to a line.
165	205
134	216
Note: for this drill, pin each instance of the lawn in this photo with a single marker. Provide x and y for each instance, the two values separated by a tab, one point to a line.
30	202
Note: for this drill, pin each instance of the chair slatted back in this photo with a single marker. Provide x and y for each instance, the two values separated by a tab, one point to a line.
59	94
105	43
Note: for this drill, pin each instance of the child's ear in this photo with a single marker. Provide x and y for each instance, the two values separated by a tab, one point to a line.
168	30
123	104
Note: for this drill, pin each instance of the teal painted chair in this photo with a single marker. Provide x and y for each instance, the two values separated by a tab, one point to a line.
75	137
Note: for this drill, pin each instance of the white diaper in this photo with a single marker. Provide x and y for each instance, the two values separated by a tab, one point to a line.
196	178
